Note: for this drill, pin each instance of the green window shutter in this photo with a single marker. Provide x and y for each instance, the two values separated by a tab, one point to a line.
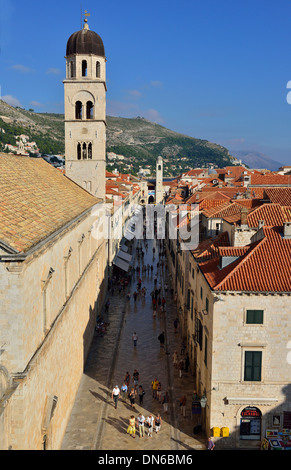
205	350
257	366
253	366
255	317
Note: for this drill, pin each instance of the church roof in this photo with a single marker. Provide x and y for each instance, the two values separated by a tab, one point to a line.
36	200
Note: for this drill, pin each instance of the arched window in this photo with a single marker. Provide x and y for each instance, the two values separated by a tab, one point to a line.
98	70
84	151
159	167
79	155
90	151
79	107
89	110
71	69
84	68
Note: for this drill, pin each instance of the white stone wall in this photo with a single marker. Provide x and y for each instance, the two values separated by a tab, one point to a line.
48	354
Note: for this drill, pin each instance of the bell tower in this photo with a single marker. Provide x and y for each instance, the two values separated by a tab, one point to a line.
85	111
159	181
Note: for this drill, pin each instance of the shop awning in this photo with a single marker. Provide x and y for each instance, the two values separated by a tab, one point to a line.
125	256
122	264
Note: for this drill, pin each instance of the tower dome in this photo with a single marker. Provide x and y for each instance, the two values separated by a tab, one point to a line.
85	41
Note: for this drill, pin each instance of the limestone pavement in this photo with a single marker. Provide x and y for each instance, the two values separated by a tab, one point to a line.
95	424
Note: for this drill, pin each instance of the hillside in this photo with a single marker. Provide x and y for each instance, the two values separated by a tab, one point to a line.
257	160
138	140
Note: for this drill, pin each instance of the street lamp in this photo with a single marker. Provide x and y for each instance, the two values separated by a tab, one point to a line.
203	401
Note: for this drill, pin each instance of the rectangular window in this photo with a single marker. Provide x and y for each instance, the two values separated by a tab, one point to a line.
199	333
207	304
188	299
255	317
205	350
253	366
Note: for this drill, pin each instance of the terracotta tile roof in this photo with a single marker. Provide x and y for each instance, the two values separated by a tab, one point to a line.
270	179
225	210
271	214
264	267
208	249
278	195
36	200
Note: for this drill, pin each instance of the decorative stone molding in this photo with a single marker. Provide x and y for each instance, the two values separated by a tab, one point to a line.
250	401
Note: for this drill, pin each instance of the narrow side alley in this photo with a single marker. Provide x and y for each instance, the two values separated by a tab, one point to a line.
95	424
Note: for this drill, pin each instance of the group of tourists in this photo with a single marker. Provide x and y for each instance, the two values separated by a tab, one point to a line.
145	426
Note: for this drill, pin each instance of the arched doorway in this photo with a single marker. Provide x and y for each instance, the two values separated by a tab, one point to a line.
250	424
151	200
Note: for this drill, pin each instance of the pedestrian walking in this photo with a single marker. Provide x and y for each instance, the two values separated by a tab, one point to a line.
158	422
159	392
150	425
183	347
134	338
107	306
124	391
131	427
131	396
175	359
165	402
135	376
140	423
115	395
183	401
155	384
211	444
181	367
141	394
127	379
161	339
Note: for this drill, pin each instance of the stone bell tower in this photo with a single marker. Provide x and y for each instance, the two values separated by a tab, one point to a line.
159	181
85	111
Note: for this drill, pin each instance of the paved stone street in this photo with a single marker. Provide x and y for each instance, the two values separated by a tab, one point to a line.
95	424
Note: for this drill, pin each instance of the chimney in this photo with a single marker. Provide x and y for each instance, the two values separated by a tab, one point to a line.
261	224
287	230
244	216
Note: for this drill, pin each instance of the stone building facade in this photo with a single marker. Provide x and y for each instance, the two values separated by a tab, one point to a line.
53	272
233	305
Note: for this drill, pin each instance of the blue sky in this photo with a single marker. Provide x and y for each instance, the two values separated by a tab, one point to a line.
215	70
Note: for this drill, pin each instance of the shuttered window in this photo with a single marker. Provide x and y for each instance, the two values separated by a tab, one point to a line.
255	317
253	366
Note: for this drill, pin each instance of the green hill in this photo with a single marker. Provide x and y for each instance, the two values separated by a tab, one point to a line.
138	140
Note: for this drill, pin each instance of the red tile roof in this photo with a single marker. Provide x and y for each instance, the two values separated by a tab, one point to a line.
271	214
208	249
264	267
278	195
270	179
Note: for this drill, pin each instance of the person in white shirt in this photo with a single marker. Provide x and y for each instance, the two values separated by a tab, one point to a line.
140	422
134	338
150	423
115	395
